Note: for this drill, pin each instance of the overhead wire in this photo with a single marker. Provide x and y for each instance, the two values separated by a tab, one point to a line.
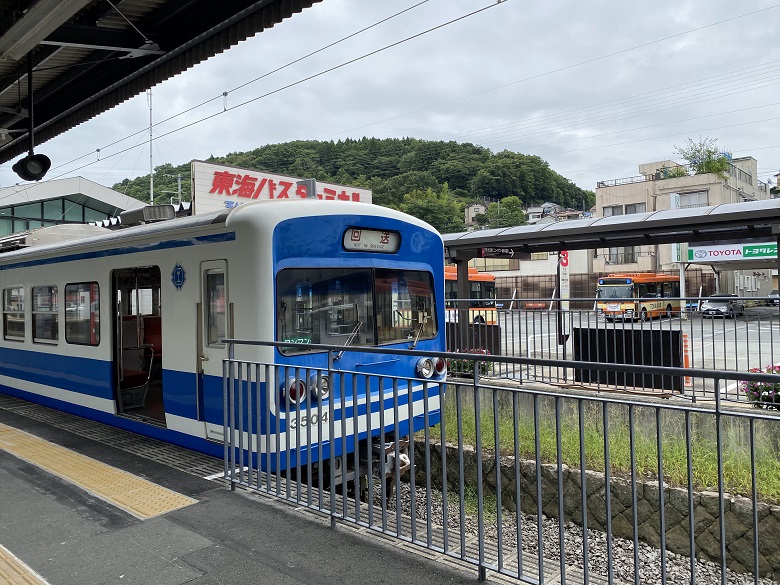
276	70
328	70
560	69
536	125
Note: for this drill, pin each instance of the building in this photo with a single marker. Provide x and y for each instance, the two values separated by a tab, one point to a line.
472	211
62	201
668	185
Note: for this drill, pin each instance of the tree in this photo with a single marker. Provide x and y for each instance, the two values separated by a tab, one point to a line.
704	156
438	209
506	213
392	168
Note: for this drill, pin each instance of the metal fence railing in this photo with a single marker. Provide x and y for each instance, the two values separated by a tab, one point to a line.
743	338
539	483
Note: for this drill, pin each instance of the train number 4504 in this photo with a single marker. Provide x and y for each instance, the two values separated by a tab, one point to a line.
304	421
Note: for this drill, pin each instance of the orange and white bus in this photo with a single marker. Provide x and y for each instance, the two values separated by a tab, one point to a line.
482	295
654	293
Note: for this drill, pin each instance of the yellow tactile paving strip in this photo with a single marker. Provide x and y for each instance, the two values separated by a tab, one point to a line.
15	572
141	498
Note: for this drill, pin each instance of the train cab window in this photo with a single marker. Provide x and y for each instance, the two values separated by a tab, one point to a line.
333	306
45	314
404	306
82	313
353	306
13	313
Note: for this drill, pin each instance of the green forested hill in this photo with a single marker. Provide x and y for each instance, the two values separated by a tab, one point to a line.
431	180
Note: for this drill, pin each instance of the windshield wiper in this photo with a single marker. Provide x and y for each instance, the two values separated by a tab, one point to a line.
352	336
419	331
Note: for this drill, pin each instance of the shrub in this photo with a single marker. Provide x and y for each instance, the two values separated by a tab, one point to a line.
762	394
465	366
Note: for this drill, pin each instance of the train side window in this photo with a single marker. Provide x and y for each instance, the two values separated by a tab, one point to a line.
45	317
82	313
13	313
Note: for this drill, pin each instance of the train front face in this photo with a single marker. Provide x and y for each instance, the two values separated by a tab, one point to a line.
367	282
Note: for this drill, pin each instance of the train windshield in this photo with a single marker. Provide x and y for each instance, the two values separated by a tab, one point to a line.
354	306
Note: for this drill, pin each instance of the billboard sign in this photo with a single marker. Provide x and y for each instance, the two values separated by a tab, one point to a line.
732	252
216	187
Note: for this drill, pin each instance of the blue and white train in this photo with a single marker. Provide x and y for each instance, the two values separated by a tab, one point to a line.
127	326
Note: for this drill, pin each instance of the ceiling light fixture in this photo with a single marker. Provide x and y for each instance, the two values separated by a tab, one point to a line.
32	167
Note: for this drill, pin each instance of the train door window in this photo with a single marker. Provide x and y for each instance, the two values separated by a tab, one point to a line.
13	313
141	301
216	321
45	314
82	313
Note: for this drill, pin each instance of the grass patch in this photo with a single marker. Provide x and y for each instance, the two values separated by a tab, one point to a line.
517	415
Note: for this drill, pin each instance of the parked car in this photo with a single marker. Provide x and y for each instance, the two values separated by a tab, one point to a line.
723	305
774	297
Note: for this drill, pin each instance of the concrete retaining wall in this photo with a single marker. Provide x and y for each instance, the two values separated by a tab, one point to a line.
738	510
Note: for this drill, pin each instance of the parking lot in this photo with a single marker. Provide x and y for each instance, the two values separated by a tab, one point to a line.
749	340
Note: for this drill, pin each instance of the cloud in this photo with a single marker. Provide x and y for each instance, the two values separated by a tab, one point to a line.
594	88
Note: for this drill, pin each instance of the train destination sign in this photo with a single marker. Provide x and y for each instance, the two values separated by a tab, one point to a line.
360	240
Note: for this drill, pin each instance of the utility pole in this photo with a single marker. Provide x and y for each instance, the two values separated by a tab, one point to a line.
178	180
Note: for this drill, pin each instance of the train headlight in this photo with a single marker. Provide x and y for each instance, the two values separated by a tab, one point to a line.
320	389
425	367
294	390
440	365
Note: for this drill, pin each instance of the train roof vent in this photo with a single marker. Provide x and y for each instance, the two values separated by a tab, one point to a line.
147	214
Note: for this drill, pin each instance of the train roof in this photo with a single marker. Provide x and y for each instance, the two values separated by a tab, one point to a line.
65	237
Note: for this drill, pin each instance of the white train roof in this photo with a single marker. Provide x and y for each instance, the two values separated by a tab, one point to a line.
64	238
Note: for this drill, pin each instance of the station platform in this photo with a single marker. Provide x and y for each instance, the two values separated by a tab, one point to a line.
84	503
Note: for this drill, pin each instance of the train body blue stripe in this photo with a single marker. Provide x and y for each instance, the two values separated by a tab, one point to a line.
120	251
83	375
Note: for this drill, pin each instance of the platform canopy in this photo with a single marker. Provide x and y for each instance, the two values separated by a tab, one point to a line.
87	56
749	221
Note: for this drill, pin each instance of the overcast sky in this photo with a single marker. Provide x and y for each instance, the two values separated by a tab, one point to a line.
595	88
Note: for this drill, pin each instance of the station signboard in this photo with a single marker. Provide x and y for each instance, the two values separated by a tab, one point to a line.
498	253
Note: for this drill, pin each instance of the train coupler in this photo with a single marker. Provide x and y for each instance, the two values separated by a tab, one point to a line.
395	456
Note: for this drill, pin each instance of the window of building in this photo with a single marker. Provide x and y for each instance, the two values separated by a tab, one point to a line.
494	264
29	211
694	199
52	210
622	255
91	215
73	212
45	318
13	313
613	210
82	313
635	208
6	227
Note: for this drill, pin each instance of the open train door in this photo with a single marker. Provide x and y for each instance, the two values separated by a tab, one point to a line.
137	342
214	325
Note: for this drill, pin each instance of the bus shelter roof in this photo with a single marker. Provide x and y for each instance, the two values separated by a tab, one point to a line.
756	220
